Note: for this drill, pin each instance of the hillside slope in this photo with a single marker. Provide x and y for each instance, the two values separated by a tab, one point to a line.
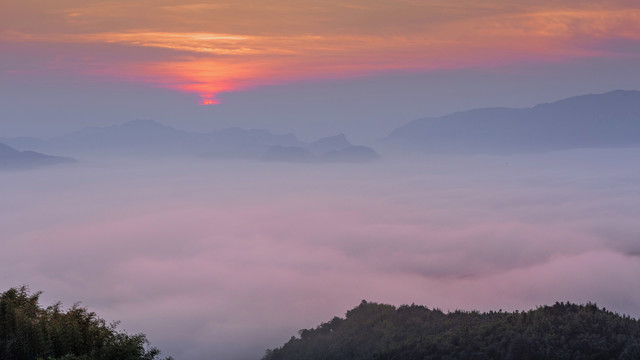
589	121
377	331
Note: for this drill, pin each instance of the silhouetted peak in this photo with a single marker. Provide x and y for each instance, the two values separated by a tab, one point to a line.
237	131
143	124
252	136
596	100
588	121
340	139
352	154
329	143
11	158
6	150
280	153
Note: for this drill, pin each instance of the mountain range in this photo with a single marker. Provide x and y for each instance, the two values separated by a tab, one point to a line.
11	158
589	121
150	138
329	149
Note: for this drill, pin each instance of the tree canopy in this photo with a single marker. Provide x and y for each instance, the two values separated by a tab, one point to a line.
30	332
374	331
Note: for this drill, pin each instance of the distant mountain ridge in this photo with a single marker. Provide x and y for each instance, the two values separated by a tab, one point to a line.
329	143
330	149
150	138
589	121
11	158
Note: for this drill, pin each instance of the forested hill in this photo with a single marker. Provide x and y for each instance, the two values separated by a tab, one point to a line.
375	331
30	332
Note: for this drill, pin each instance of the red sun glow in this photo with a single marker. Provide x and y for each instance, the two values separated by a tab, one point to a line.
209	64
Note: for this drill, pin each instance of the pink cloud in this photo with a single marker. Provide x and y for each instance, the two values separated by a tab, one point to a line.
223	257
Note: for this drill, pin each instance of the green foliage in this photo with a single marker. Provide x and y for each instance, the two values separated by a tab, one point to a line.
29	332
382	332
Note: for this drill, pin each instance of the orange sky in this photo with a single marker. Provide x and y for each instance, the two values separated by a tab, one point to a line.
207	48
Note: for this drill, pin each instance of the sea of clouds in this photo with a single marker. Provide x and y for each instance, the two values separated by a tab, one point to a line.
222	260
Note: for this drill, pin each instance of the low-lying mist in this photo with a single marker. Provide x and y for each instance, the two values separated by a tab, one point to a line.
222	260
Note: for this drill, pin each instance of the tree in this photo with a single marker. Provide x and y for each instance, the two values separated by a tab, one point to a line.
30	332
563	331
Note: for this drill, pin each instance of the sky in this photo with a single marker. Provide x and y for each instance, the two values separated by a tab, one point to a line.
315	68
222	260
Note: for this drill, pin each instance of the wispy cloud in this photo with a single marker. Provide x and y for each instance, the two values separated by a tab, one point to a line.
286	41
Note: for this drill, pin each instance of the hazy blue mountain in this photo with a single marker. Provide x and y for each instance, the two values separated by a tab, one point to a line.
329	149
589	121
294	154
27	143
138	137
242	143
150	138
327	144
251	136
352	154
11	158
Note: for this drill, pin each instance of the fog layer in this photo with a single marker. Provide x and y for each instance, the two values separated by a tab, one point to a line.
222	260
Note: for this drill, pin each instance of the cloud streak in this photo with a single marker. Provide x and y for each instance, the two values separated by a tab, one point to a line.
231	47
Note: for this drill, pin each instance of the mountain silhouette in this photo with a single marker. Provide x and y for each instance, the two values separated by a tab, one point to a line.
294	154
589	121
11	158
329	143
352	154
150	138
330	149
